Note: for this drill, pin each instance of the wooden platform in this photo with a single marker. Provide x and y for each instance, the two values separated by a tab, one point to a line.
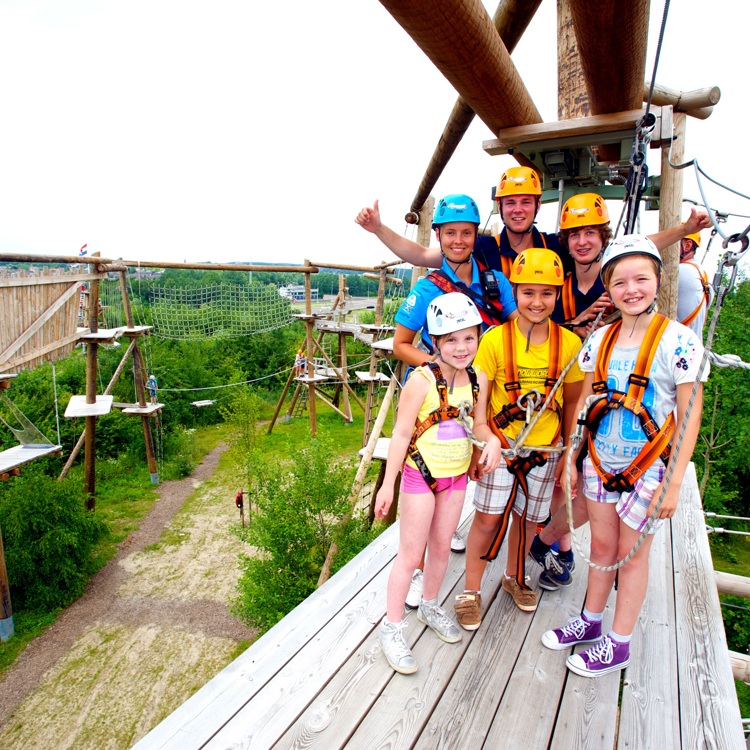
319	680
22	454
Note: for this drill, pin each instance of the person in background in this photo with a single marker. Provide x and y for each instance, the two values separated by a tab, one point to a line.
152	386
694	294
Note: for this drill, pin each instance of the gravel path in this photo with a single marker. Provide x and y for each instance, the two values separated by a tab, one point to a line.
107	603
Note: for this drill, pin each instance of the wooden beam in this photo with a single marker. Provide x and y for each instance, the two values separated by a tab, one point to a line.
728	583
612	37
578	128
511	19
740	666
460	39
696	103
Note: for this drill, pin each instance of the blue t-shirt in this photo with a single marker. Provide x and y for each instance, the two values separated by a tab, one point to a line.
582	301
413	312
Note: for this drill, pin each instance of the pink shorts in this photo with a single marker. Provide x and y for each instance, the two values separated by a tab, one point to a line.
413	482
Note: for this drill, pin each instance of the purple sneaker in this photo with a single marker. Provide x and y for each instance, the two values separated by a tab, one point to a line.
607	656
575	631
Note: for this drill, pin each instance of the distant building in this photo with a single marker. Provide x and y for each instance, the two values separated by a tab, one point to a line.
296	292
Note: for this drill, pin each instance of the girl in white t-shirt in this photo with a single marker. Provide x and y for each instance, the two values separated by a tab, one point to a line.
647	359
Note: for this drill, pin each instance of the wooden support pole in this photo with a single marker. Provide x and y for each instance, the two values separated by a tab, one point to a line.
740	666
697	103
614	82
6	611
728	583
670	215
92	353
280	403
110	387
511	19
139	373
424	233
309	324
572	98
462	42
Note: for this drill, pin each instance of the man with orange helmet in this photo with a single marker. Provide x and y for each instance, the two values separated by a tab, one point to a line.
694	293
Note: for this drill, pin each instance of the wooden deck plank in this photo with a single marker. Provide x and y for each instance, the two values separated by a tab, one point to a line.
217	702
709	710
329	719
650	682
468	705
319	679
527	714
276	708
587	718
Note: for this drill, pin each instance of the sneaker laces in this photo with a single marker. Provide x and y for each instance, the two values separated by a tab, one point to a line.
398	644
552	563
437	613
603	651
575	628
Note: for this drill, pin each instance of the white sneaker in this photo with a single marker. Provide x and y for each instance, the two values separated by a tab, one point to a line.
458	543
394	647
416	587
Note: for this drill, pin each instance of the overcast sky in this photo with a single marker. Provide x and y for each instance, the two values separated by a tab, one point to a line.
233	130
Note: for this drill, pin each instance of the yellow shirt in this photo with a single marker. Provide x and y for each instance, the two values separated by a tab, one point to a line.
533	367
445	447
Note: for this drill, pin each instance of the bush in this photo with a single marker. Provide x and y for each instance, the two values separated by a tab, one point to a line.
298	512
49	538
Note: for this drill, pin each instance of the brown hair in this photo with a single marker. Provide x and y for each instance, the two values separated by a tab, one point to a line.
608	270
605	232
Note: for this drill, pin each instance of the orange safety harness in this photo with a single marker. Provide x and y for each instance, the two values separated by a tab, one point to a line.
706	294
444	412
520	466
491	310
568	299
658	438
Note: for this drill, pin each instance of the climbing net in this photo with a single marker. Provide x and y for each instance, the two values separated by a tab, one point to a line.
220	310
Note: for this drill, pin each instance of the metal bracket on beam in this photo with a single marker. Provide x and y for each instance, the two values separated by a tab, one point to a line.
568	149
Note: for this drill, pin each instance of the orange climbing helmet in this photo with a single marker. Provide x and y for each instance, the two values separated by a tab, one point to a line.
538	265
584	210
518	181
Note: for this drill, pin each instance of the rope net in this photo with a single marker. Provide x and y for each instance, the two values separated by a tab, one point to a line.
220	310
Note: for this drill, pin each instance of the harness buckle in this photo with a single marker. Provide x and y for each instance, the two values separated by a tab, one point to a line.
640	380
513	385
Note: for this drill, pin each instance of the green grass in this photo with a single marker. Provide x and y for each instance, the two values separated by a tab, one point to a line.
124	496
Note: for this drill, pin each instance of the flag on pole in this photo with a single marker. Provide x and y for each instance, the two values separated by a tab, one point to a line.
83	250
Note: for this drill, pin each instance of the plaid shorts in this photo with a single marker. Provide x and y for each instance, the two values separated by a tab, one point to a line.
632	507
493	490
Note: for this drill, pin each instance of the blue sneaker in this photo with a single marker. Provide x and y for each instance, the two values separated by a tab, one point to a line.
607	656
555	574
567	559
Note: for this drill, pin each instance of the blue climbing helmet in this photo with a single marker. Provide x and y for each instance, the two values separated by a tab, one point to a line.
455	208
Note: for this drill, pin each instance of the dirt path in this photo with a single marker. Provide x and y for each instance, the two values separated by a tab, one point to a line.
152	627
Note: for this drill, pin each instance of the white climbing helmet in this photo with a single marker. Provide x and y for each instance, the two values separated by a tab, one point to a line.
629	244
451	312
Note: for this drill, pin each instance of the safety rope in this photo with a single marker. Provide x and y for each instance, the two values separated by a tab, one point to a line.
730	261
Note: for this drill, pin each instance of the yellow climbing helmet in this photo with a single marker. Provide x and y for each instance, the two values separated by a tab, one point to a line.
537	265
694	237
518	181
584	210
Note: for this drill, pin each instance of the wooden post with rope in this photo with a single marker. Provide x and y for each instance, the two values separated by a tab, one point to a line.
359	478
139	376
92	351
670	207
